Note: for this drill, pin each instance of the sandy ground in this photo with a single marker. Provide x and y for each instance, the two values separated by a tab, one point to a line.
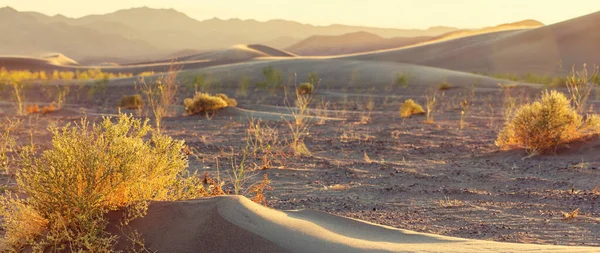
367	163
402	173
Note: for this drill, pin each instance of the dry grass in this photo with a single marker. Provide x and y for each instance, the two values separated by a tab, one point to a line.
206	103
450	203
160	94
305	89
32	109
409	108
544	125
131	102
579	84
570	215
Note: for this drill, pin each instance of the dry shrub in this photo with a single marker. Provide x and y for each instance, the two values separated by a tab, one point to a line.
409	108
258	190
131	102
90	170
444	86
305	89
545	124
48	109
205	103
31	109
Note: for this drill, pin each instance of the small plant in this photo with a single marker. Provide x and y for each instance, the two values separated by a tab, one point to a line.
409	108
48	109
464	105
272	79
579	84
431	99
305	89
206	103
401	80
32	109
244	85
7	141
300	127
570	215
131	102
450	203
444	86
160	94
259	189
313	78
545	124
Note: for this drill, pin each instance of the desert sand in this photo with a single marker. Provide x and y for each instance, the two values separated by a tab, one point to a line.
375	182
236	224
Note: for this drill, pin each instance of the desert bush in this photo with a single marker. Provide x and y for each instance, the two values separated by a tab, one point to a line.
545	124
579	85
313	78
7	141
206	103
160	94
402	80
132	102
31	109
305	89
244	85
444	86
409	108
272	78
92	169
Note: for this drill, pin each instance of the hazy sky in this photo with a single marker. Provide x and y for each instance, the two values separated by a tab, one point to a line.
380	13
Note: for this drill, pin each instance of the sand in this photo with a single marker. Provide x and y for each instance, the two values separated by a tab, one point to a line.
236	224
548	49
386	170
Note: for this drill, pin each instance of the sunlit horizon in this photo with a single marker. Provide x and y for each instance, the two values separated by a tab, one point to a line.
406	14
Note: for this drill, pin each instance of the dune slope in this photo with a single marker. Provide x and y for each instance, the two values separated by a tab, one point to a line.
540	50
236	224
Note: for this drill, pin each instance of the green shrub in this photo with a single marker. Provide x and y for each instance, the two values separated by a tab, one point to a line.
305	89
409	108
89	171
545	124
131	102
402	80
204	103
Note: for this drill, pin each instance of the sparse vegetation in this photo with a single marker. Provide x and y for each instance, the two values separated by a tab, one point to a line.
272	79
579	84
160	94
131	102
300	126
305	88
445	85
206	103
409	108
7	141
401	80
545	124
89	171
431	98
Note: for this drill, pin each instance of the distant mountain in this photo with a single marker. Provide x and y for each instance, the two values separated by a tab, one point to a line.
26	34
358	42
140	32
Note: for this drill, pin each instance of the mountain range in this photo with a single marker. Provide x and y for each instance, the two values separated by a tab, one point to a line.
145	33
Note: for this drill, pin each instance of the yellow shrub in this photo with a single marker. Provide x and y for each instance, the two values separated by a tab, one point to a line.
409	108
132	102
91	170
305	89
204	102
545	124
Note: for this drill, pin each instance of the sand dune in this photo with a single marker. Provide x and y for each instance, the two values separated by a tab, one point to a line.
350	43
540	50
236	224
367	42
236	54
